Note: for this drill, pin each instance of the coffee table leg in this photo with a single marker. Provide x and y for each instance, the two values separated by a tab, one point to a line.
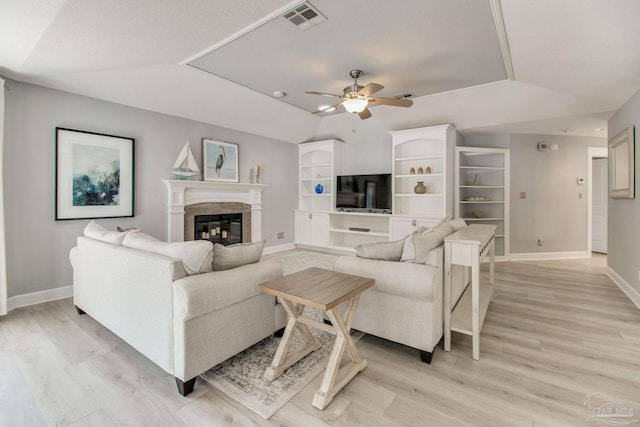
283	357
335	378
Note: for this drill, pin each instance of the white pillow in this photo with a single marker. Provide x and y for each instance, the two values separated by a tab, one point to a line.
98	232
196	255
409	249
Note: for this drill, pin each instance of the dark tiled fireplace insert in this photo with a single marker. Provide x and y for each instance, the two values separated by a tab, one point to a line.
225	223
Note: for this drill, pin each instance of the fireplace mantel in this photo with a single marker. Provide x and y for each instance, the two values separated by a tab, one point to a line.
182	193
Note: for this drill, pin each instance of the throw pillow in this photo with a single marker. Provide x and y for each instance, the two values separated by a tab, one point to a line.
228	257
409	250
98	232
458	224
196	255
430	240
385	251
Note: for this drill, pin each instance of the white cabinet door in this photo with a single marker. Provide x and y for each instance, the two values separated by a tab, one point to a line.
303	228
401	227
312	228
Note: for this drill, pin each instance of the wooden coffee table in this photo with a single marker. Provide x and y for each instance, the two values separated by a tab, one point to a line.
323	290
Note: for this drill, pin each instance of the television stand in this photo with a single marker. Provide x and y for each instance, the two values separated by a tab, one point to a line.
349	229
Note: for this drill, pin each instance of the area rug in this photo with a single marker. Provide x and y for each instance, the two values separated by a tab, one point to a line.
300	260
241	377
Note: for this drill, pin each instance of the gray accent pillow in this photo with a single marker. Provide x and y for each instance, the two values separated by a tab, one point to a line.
458	224
228	257
385	251
425	242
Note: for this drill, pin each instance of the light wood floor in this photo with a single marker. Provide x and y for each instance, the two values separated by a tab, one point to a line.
557	332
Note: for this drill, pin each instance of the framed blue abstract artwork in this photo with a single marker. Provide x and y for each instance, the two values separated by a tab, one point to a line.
94	175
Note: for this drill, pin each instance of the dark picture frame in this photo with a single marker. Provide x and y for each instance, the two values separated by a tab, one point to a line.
94	175
220	161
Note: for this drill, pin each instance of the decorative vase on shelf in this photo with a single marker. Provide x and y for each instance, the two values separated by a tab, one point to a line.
319	189
412	171
420	188
427	170
420	171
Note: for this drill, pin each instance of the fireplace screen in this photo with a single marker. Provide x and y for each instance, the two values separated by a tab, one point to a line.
225	229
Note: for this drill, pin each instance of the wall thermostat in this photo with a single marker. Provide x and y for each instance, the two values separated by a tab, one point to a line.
581	180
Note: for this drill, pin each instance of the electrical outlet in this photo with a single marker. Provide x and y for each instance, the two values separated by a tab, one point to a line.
540	241
281	235
580	196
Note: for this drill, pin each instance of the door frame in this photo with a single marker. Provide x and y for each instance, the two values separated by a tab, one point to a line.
592	153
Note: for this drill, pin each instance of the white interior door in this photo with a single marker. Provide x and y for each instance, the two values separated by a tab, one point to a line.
599	206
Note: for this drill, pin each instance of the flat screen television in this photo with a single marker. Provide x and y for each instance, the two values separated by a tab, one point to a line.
364	193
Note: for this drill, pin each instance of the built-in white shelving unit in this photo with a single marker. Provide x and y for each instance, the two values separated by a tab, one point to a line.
318	224
421	155
482	190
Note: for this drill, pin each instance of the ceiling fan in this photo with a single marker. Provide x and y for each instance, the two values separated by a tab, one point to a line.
355	98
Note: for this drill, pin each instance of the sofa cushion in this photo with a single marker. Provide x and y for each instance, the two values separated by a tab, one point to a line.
196	255
200	294
425	242
98	232
385	251
228	257
406	279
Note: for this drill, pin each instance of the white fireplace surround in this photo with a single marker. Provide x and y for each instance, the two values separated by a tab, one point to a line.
184	193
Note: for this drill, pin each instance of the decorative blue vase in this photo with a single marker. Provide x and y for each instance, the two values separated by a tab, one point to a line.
319	189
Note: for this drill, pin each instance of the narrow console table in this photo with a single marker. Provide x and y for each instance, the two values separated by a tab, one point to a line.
466	311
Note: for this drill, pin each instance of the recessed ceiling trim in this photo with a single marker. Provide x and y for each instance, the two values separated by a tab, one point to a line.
260	22
496	9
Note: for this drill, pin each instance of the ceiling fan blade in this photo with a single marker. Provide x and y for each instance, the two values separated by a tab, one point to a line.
392	101
364	114
370	89
322	110
322	94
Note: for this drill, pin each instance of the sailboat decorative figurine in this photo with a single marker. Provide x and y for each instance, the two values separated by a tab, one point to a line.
185	165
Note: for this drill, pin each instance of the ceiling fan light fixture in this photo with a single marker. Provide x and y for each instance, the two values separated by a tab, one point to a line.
355	105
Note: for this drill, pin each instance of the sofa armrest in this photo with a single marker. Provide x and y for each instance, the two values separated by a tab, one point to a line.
398	278
200	294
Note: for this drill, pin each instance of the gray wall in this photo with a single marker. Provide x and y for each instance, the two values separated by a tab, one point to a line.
624	214
38	246
367	157
552	209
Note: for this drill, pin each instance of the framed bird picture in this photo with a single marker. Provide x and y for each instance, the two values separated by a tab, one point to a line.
219	160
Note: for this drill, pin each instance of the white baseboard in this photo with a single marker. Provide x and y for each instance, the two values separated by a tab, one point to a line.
549	255
39	297
629	290
279	248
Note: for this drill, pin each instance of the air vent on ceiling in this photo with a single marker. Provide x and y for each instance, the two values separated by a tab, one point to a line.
305	16
406	95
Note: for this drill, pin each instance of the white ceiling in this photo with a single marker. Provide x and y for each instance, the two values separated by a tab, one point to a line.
574	61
